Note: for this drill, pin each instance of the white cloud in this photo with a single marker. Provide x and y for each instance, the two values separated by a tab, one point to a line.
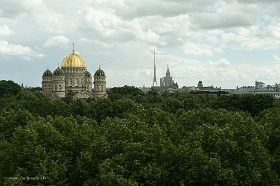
222	63
149	36
200	49
5	31
18	50
60	40
103	22
196	38
273	29
276	58
97	43
251	38
53	23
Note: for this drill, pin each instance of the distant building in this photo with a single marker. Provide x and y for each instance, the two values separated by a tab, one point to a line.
259	88
200	85
165	82
73	78
200	89
145	89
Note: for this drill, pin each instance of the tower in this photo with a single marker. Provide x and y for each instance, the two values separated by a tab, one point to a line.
47	81
99	84
167	80
58	82
167	72
155	79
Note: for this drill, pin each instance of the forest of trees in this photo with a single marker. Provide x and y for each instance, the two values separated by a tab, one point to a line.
138	139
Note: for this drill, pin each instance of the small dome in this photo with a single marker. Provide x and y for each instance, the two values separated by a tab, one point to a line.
87	74
47	73
58	72
99	72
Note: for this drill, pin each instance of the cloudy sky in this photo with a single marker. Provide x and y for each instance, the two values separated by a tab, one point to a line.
225	43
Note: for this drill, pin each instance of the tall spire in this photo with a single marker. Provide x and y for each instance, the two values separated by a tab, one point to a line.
167	72
73	50
155	79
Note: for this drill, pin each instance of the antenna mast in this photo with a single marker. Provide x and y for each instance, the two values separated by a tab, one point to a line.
155	79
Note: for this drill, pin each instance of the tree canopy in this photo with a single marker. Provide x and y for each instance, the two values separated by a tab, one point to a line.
135	139
8	87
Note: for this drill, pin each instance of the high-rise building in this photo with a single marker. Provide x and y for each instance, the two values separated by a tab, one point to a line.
167	80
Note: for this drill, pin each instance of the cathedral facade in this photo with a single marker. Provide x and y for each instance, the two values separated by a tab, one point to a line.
73	78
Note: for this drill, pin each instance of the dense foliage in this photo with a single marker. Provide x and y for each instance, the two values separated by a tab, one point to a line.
133	138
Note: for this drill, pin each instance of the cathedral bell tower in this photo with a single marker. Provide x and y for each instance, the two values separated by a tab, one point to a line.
99	84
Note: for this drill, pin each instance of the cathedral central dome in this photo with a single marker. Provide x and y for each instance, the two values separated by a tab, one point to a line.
73	60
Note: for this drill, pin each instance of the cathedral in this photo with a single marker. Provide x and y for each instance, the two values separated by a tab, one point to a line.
73	78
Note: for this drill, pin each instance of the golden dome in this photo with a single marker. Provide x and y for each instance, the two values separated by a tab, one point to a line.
73	60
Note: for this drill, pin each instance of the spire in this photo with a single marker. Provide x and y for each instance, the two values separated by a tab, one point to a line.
167	72
73	50
155	79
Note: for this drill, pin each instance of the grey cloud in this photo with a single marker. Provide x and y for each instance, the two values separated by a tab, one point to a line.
229	16
13	8
206	21
131	9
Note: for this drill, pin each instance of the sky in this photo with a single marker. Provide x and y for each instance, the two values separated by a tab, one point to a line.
225	43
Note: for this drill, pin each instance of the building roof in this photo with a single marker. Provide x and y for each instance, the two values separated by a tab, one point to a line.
99	72
73	60
58	72
47	73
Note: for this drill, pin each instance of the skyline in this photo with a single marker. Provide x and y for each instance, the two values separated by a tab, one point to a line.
221	43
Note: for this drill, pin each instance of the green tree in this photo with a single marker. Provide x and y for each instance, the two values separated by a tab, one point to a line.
225	148
9	87
125	91
46	148
251	103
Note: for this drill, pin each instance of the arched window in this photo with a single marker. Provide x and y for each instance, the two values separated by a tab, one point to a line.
101	88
